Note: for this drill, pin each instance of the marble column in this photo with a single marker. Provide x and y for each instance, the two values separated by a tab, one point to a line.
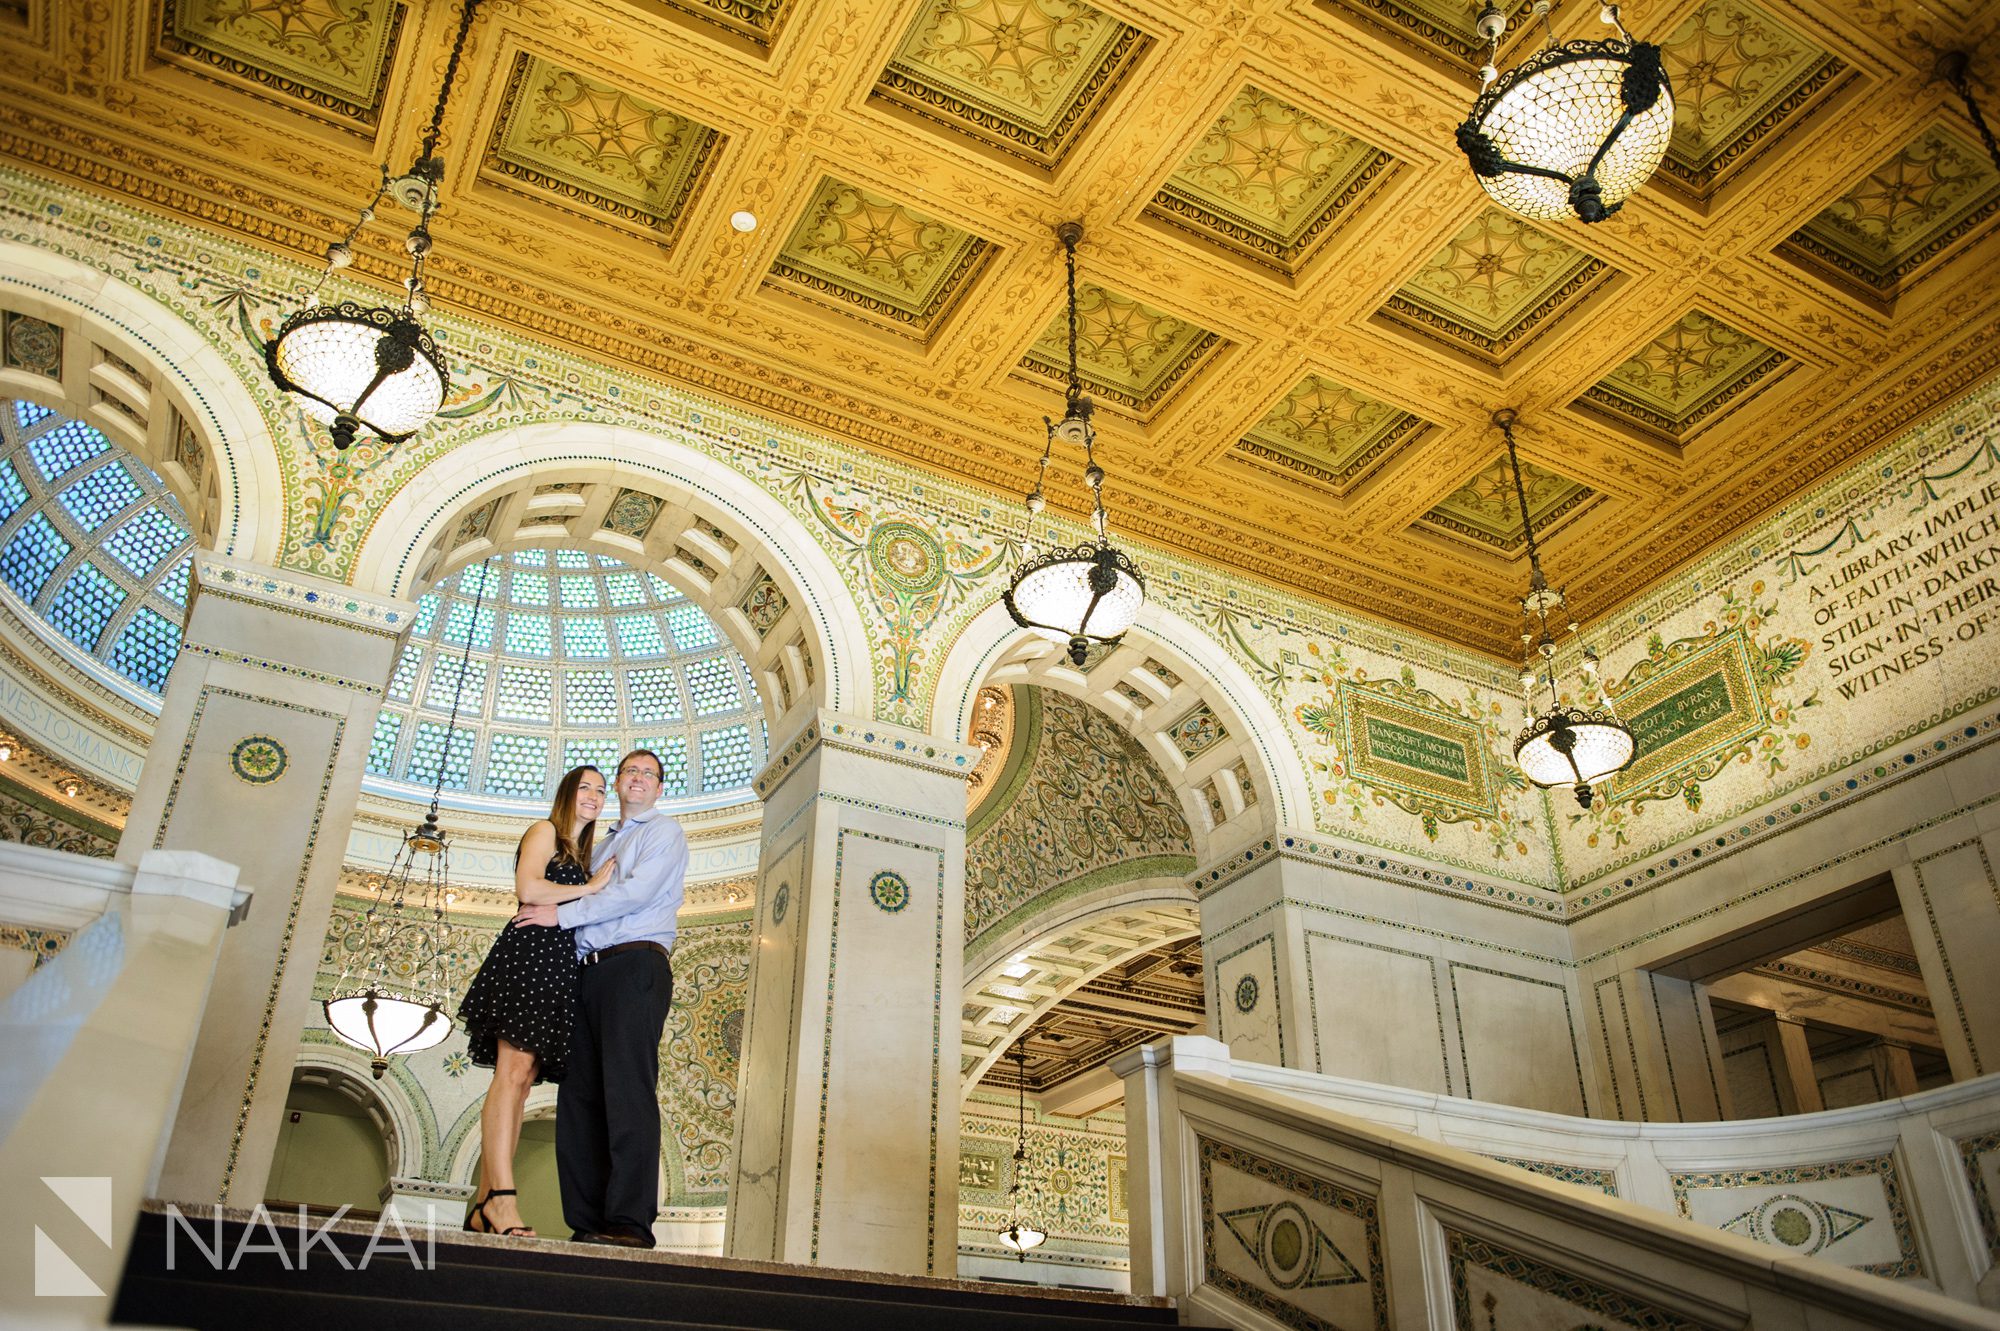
257	760
847	1118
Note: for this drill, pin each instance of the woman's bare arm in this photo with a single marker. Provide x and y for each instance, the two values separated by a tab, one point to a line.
538	847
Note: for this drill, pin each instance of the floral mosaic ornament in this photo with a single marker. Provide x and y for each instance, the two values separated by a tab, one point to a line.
913	570
258	760
1395	742
1698	704
1246	994
781	900
888	891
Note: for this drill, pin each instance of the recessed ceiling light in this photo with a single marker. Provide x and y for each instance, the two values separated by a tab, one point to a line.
743	220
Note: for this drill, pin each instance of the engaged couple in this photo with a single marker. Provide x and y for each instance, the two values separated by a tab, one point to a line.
576	991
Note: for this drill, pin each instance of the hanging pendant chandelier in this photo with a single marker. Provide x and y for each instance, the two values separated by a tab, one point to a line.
1085	595
1573	130
392	992
1020	1234
1561	745
354	367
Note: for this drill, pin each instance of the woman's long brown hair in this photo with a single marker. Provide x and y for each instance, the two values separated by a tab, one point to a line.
574	850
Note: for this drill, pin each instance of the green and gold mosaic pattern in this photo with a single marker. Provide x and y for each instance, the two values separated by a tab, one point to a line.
1328	432
1493	284
1301	1249
1023	76
333	55
1485	509
1737	74
1684	376
582	142
856	250
1269	181
1129	354
1936	187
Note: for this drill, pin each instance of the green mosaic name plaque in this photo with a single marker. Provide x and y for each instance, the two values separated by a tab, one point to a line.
1417	755
1691	717
1413	748
1681	713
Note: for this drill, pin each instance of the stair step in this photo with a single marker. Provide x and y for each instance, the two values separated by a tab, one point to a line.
511	1282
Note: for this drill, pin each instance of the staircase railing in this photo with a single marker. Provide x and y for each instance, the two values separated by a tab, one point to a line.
95	1047
1258	1202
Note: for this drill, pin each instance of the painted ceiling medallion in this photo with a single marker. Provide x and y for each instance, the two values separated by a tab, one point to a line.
584	143
332	55
1493	285
1902	215
1484	509
1269	181
1739	76
1328	432
1683	377
1023	76
1129	355
859	252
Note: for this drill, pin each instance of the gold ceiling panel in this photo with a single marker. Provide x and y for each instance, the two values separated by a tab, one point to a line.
1485	512
1270	182
333	56
1493	285
1025	77
1294	358
863	254
1903	214
1130	356
1441	27
1684	376
1328	433
755	23
564	136
1739	76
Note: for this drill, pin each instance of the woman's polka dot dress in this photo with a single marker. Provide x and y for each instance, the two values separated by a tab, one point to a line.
526	990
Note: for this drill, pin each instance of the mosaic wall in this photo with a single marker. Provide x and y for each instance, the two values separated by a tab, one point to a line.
34	819
1850	618
1860	616
1073	1185
1082	806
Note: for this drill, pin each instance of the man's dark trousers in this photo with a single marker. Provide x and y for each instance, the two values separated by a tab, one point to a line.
608	1112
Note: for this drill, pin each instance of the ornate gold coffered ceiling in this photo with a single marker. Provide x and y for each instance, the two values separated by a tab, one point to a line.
1298	309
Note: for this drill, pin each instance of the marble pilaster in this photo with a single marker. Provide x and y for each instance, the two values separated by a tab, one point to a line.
257	760
847	1119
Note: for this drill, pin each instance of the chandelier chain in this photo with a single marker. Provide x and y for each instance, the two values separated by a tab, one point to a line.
1069	260
1537	581
458	685
1955	68
450	77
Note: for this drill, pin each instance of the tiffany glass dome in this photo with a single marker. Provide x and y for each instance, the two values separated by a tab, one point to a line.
93	546
576	658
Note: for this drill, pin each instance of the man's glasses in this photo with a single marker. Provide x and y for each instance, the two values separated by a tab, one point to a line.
646	772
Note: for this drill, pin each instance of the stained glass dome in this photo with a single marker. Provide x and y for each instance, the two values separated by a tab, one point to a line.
93	545
576	658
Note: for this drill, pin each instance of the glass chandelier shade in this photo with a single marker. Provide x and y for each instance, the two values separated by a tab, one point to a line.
1020	1234
1089	594
1562	744
1572	131
355	367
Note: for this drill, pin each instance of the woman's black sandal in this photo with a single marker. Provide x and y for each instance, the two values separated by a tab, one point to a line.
479	1211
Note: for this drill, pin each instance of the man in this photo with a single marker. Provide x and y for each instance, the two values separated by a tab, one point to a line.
607	1116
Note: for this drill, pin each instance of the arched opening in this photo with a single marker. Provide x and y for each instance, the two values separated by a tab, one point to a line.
337	1146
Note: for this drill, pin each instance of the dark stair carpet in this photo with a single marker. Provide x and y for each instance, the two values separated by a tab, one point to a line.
475	1281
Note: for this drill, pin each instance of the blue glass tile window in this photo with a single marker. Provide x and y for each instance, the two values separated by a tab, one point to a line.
34	553
83	606
145	649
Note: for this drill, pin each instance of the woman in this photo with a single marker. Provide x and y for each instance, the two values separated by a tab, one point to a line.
517	1010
